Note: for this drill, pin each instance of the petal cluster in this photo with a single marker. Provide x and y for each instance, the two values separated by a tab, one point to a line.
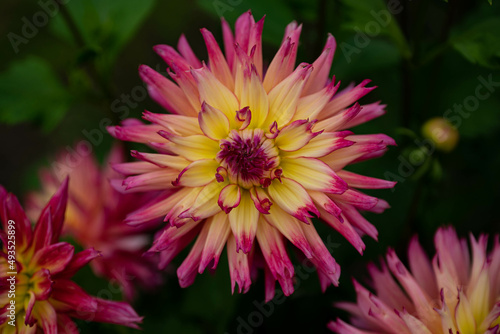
249	155
36	291
95	215
457	292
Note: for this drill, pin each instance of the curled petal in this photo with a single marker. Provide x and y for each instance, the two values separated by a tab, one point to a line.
213	122
260	199
229	197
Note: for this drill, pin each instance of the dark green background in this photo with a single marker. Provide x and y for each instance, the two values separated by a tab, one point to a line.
428	58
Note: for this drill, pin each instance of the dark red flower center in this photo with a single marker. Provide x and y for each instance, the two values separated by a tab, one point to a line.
248	156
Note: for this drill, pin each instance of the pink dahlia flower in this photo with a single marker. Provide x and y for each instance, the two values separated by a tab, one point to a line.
95	218
249	156
36	291
458	292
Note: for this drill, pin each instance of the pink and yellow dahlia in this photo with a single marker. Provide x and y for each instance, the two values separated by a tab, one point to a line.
458	292
36	291
250	155
95	218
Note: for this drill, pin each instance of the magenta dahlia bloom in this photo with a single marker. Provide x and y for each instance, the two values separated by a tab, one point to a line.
36	291
250	155
95	218
458	292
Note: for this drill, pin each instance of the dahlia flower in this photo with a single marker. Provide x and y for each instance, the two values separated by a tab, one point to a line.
456	293
249	156
36	291
94	218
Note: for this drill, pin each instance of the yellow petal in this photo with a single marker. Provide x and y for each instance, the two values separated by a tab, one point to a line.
196	147
292	198
213	122
198	173
244	221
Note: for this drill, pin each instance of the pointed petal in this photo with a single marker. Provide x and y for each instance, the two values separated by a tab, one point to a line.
310	106
321	258
217	62
367	113
254	96
364	182
162	160
338	121
196	147
283	98
284	61
165	92
345	98
11	210
274	251
218	232
187	52
46	316
42	284
290	227
78	261
321	66
295	135
205	204
292	198
228	42
313	174
188	270
160	179
239	266
344	228
53	257
322	145
136	131
215	93
179	124
244	221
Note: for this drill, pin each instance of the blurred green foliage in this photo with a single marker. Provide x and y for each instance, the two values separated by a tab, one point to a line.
425	59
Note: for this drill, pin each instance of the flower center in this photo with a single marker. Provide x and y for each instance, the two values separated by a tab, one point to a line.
249	158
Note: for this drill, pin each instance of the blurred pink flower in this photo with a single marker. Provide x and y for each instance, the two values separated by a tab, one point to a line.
250	156
455	293
95	218
44	298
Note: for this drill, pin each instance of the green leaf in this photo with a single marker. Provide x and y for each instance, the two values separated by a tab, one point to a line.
373	18
31	91
105	25
480	44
